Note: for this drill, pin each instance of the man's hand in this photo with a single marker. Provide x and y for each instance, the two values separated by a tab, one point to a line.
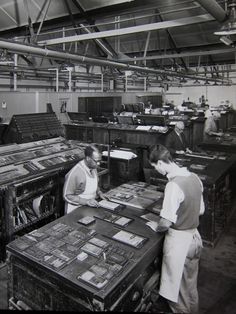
153	225
102	196
161	226
189	151
93	203
180	152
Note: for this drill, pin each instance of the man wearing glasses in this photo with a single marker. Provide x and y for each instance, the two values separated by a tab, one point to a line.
176	141
81	182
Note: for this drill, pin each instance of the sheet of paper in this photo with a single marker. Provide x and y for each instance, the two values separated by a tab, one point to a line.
121	154
128	238
108	204
144	127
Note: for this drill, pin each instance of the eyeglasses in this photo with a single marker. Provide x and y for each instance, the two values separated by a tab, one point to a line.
96	160
180	128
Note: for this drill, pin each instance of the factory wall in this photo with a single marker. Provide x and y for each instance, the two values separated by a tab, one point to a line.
34	102
12	102
215	94
17	103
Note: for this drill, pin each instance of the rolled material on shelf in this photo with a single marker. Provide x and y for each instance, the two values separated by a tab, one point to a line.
37	205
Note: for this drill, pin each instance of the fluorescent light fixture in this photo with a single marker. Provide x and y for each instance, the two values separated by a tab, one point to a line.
68	69
2	62
226	40
224	31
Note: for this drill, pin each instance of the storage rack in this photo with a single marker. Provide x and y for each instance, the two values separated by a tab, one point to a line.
32	127
32	170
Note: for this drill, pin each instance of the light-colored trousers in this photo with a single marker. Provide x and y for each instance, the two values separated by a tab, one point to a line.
188	293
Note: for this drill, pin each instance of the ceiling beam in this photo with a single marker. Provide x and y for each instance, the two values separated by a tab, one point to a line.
180	55
47	3
104	45
110	11
131	30
172	43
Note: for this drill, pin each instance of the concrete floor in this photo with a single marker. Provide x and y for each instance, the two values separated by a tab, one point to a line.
217	275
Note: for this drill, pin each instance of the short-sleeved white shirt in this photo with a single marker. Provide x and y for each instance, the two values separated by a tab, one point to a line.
174	196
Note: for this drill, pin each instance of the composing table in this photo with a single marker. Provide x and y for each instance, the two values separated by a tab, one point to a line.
91	259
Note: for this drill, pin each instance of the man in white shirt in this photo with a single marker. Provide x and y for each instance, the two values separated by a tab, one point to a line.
182	205
210	127
208	112
81	182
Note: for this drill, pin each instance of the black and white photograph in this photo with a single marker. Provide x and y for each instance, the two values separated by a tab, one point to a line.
118	156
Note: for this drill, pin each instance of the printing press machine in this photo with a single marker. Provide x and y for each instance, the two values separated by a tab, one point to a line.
93	259
31	181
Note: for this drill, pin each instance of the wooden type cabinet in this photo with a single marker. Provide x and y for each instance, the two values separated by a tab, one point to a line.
32	178
30	203
226	144
88	133
40	291
119	135
230	118
129	135
123	170
110	134
197	134
42	288
218	207
2	221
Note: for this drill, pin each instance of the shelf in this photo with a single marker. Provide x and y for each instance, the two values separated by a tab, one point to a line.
25	196
30	223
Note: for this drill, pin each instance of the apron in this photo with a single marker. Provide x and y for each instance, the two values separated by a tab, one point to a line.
90	191
91	186
69	207
176	246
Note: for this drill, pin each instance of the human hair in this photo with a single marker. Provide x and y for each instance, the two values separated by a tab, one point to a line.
89	150
159	152
179	125
216	115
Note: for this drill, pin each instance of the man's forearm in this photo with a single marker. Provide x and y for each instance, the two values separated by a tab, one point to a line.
163	225
76	199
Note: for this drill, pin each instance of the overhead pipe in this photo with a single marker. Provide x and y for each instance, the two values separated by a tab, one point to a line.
45	75
214	9
33	50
